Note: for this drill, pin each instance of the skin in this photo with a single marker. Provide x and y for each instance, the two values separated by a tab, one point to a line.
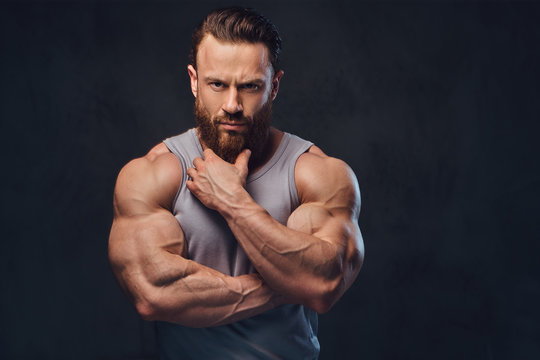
312	260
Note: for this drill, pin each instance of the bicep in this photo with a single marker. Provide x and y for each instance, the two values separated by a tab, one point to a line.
157	230
142	245
330	207
329	196
336	226
143	231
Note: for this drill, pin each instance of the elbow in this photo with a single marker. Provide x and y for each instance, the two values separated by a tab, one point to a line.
149	306
326	297
143	301
330	290
146	310
158	309
321	306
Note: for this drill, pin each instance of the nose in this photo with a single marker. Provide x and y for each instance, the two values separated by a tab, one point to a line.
232	104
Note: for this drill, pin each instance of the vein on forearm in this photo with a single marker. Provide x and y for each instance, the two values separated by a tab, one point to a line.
276	250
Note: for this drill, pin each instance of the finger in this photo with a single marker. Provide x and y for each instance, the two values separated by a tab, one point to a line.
190	185
197	162
242	160
208	153
192	173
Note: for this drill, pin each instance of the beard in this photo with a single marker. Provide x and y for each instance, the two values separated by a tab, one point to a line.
229	144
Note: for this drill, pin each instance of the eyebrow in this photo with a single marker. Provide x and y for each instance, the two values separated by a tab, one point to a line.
211	78
257	81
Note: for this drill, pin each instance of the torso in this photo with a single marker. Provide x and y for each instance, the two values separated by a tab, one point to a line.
287	331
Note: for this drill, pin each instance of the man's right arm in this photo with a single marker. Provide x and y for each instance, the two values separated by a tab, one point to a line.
146	248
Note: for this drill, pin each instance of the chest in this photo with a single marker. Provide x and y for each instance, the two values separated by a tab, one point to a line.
208	238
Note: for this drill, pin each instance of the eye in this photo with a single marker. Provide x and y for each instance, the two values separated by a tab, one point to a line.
216	85
250	87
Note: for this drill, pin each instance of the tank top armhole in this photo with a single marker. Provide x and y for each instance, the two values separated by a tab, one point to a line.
183	167
295	201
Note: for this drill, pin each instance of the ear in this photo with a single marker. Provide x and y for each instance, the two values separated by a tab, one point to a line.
193	79
275	83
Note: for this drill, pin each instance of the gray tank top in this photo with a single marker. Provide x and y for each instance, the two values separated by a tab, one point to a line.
286	332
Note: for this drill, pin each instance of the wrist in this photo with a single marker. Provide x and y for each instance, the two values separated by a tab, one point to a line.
240	204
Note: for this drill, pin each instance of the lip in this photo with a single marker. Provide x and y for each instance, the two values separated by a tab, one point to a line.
232	126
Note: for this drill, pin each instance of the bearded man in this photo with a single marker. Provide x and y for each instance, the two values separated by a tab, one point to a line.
233	235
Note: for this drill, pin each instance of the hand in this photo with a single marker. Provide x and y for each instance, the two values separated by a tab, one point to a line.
215	182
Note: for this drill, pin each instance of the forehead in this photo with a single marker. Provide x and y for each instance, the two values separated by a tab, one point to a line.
225	59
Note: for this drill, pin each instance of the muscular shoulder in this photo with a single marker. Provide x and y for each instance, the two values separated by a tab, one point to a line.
324	179
149	181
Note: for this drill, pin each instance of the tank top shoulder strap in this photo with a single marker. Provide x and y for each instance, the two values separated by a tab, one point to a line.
297	146
186	147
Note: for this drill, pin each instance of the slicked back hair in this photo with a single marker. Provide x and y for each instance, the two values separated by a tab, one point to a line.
237	25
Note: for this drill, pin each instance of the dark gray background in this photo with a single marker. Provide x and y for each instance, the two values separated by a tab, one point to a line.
434	105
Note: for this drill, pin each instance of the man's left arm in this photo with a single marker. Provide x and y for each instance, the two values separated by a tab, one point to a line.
316	257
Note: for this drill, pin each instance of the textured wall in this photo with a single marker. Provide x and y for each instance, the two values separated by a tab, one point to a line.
434	105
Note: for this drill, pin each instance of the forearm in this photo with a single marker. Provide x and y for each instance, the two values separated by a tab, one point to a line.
147	253
313	259
182	291
292	262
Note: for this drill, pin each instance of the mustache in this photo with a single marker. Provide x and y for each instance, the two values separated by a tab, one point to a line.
237	118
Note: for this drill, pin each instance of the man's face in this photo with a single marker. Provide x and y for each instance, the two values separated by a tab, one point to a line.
234	86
